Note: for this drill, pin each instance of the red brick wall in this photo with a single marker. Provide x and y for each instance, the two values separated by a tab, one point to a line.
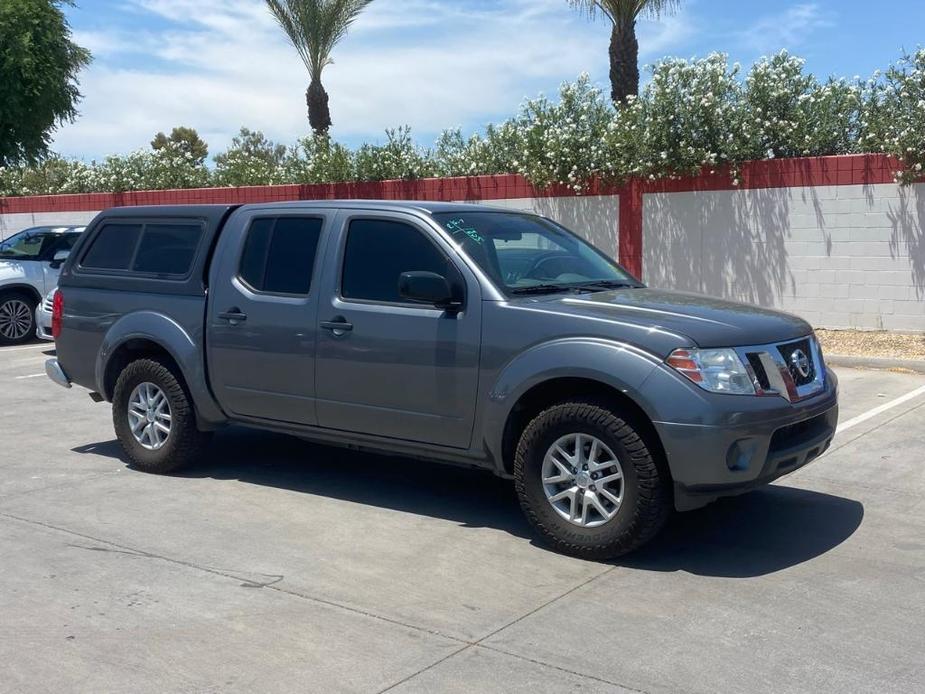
781	173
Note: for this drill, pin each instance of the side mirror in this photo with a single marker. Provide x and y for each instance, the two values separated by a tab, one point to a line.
428	288
59	258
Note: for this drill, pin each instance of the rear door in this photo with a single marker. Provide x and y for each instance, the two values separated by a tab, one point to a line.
262	313
386	366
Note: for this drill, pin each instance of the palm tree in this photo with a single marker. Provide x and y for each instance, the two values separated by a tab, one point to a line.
314	27
624	48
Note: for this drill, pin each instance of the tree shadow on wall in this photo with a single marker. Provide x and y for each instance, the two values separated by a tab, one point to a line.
593	217
908	238
731	245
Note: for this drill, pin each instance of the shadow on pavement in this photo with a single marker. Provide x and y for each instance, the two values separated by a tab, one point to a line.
767	530
755	534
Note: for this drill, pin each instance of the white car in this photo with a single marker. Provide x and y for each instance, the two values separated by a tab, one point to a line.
43	316
30	262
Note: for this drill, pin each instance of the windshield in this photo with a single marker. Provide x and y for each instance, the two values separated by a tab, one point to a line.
36	244
525	254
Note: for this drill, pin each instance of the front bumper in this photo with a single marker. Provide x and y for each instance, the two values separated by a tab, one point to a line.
748	448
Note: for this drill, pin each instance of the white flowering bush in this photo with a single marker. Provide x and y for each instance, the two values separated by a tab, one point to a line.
893	119
251	160
788	113
318	159
693	115
687	118
562	142
398	158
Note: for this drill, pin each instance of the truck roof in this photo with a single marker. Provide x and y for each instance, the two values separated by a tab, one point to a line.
212	211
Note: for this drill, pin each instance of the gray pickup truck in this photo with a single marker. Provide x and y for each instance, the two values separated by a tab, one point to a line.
451	332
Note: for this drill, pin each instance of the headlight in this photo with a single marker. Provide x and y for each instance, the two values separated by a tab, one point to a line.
716	370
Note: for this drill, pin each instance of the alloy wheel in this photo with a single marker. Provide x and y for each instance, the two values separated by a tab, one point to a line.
149	416
15	319
583	480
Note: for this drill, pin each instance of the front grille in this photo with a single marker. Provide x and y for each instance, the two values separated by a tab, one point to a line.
794	435
798	356
754	360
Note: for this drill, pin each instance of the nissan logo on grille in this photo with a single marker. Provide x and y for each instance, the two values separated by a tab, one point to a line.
800	362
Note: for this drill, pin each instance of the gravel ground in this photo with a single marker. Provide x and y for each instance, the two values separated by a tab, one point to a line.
859	343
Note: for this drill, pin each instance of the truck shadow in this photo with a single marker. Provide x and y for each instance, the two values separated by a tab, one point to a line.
759	533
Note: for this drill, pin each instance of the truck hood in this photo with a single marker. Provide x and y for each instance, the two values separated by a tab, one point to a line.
704	320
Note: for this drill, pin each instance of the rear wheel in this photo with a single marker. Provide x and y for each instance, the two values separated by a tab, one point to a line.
154	418
588	481
17	318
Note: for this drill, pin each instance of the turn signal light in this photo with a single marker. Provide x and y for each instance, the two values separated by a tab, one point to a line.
683	361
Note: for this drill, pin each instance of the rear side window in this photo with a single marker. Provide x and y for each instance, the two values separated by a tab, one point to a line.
113	248
151	249
167	249
378	251
279	254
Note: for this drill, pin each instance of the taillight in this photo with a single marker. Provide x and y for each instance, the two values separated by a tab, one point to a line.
57	314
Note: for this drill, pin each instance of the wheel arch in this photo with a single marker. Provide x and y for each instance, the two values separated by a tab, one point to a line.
145	333
587	368
562	389
22	288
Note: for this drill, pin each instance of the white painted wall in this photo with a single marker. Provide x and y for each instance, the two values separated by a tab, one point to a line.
840	256
11	223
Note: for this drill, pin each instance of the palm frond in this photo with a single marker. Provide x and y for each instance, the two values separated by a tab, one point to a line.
625	9
315	26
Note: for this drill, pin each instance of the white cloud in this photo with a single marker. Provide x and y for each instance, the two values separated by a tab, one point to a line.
221	64
789	29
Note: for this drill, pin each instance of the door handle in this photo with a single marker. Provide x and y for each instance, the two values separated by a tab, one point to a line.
338	326
233	316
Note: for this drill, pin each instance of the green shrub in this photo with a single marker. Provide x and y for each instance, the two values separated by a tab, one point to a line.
693	115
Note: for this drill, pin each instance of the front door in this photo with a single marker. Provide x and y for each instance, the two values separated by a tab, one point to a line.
262	316
387	366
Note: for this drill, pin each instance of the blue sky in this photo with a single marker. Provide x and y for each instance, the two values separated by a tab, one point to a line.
219	64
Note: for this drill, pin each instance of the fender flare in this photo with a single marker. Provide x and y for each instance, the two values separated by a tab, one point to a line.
621	366
169	335
23	287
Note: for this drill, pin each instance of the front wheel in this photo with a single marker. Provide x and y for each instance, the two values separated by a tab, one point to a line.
154	418
588	481
17	318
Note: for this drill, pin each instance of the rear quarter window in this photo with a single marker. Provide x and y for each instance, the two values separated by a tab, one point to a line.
155	249
113	248
167	249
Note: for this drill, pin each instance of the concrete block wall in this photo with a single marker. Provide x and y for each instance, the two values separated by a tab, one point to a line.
840	256
832	239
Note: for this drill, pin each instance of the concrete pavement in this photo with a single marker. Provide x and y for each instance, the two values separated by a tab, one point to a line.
278	566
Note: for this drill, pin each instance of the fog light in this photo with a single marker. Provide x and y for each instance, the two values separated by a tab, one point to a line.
740	454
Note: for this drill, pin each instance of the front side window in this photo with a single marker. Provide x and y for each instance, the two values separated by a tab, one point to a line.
524	253
30	244
279	254
378	251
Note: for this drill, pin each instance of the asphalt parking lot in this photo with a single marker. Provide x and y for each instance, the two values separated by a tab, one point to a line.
277	565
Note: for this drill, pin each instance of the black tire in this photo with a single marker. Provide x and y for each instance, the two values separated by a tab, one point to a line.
11	299
184	444
646	492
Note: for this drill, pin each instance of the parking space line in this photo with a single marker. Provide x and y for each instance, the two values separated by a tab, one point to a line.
21	378
4	350
854	421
